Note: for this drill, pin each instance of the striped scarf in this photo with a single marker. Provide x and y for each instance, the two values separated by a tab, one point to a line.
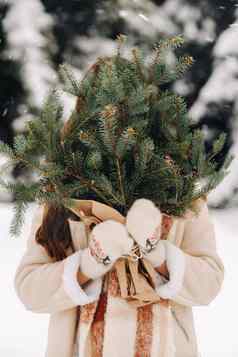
117	329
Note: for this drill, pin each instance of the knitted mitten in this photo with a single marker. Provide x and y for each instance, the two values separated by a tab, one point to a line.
143	222
108	241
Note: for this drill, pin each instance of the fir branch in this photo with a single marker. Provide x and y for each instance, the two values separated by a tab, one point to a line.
146	151
125	142
93	160
52	108
19	208
121	40
7	150
108	122
118	166
71	84
183	64
91	185
160	49
218	145
20	144
137	102
138	59
127	138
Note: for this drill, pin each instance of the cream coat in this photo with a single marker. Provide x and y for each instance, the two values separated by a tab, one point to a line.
41	285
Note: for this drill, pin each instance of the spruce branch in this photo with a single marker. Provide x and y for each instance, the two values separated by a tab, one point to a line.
160	49
71	84
138	60
91	185
127	138
19	208
121	40
7	150
218	145
183	64
118	165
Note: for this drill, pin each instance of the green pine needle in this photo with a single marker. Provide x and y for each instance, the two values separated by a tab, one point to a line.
127	138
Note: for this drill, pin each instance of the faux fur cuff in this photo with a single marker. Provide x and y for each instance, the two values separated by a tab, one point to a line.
176	263
81	296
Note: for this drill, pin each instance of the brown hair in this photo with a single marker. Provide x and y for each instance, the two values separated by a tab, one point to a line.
54	233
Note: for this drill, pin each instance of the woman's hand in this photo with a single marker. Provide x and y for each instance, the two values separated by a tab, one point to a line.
143	222
108	241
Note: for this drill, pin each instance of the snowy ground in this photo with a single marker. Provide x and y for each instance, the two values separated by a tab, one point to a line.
24	334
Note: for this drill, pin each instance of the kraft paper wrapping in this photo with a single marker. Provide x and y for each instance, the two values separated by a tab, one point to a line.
137	279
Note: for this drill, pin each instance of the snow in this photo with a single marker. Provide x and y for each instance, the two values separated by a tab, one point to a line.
94	47
225	72
222	87
5	170
68	102
27	26
225	43
216	324
30	41
146	18
224	190
195	26
24	333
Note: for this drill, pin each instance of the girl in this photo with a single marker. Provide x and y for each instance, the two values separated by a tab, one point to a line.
74	279
61	275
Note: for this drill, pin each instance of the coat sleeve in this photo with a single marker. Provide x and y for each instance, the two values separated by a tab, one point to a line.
204	270
47	286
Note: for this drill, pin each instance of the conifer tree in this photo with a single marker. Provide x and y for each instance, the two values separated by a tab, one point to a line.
127	138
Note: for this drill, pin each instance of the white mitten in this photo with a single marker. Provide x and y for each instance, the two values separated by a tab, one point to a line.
175	260
108	241
157	256
143	222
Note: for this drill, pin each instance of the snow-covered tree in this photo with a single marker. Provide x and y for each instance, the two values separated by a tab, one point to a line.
211	87
11	97
221	92
29	31
78	32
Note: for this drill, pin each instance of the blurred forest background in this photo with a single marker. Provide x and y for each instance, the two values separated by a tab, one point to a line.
38	35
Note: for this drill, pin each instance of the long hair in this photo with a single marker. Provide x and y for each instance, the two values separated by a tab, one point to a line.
54	233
